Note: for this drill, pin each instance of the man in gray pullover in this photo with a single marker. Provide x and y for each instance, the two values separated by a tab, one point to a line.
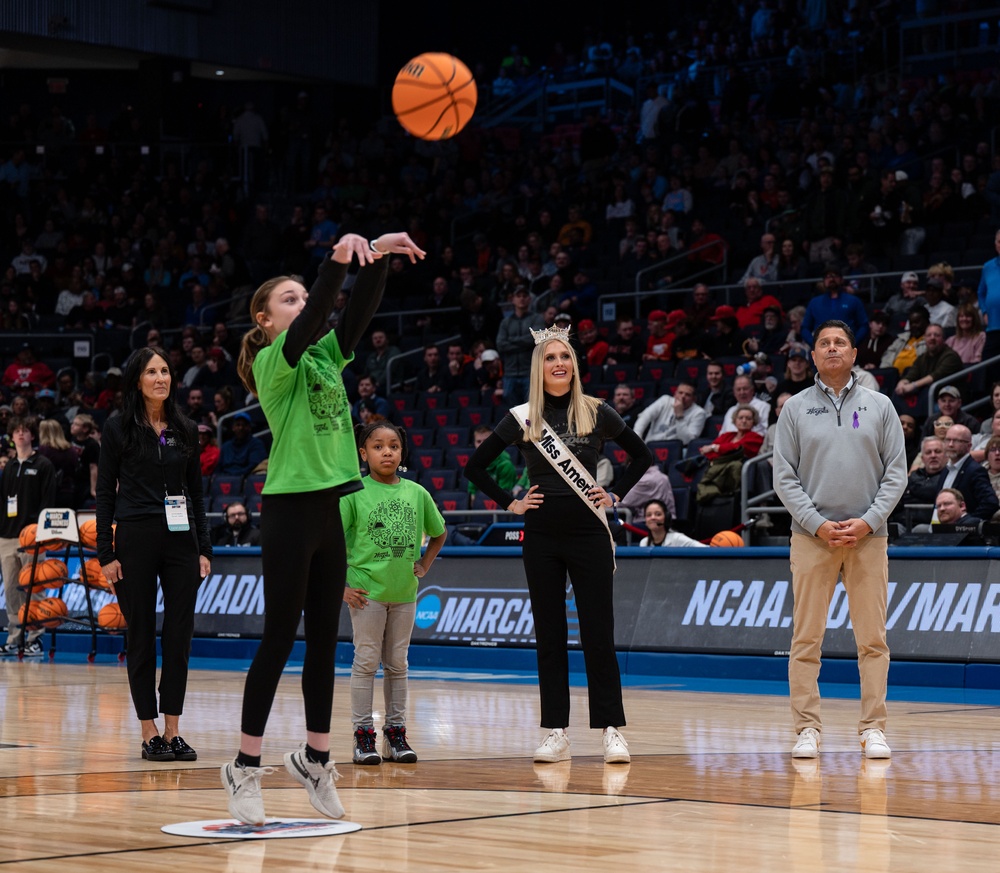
839	469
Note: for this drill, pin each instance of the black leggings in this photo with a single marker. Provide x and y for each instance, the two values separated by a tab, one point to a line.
147	549
564	536
305	568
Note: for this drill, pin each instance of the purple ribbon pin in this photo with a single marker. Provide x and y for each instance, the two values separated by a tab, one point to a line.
856	425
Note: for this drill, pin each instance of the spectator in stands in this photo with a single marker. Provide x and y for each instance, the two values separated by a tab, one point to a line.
715	397
378	359
836	303
909	344
750	314
625	346
936	363
432	376
705	248
27	374
238	528
728	339
825	220
368	390
625	404
875	344
195	406
223	403
969	337
460	374
949	402
658	342
198	356
242	454
52	444
702	308
658	521
209	451
772	335
500	468
911	438
966	475
654	484
515	345
909	294
993	464
764	267
980	440
440	297
798	374
672	418
768	445
939	310
989	302
743	391
217	372
595	348
489	376
922	482
950	508
743	434
479	318
790	265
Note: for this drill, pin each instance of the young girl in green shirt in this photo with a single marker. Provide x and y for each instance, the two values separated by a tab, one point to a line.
384	525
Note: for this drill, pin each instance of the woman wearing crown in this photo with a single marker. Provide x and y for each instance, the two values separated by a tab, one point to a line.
560	431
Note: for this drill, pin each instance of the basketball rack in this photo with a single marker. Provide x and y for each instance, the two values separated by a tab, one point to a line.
57	534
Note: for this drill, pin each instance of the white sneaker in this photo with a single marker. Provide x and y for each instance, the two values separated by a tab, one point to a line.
615	747
243	786
873	744
318	780
554	748
807	745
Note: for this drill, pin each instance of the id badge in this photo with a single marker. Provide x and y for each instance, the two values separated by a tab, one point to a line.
177	516
12	507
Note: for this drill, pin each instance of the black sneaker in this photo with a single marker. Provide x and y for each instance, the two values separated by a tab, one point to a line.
366	747
157	749
34	649
182	751
395	747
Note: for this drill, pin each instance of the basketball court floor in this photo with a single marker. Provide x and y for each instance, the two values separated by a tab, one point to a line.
711	786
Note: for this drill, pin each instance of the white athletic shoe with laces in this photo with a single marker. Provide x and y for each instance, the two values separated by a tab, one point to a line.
873	744
318	780
242	784
615	747
807	745
554	748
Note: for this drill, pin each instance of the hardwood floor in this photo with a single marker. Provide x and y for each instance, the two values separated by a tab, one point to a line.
711	786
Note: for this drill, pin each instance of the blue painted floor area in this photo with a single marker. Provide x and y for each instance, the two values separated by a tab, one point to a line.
706	684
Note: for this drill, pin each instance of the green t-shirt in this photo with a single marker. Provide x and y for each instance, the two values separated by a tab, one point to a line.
309	415
502	469
384	527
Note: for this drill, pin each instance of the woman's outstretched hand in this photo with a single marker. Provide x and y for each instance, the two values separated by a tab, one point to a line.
399	244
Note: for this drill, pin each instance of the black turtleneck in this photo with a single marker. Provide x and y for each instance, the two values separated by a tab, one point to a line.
587	449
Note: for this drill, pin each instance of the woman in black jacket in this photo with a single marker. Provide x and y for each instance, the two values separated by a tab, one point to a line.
149	481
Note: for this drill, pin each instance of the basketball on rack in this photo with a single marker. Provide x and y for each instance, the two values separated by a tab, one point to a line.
727	538
88	533
90	574
110	617
434	96
49	611
27	539
50	573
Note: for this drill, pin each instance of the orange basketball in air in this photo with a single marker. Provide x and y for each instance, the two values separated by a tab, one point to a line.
50	611
48	574
434	96
726	538
110	617
88	533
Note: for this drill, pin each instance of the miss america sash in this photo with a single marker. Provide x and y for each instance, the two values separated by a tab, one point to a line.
566	464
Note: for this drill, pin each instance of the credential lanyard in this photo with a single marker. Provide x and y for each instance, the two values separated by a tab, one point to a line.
567	465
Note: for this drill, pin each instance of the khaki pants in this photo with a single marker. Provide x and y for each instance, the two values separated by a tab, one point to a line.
11	562
865	572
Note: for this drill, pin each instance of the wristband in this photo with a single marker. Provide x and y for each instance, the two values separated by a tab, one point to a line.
371	245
